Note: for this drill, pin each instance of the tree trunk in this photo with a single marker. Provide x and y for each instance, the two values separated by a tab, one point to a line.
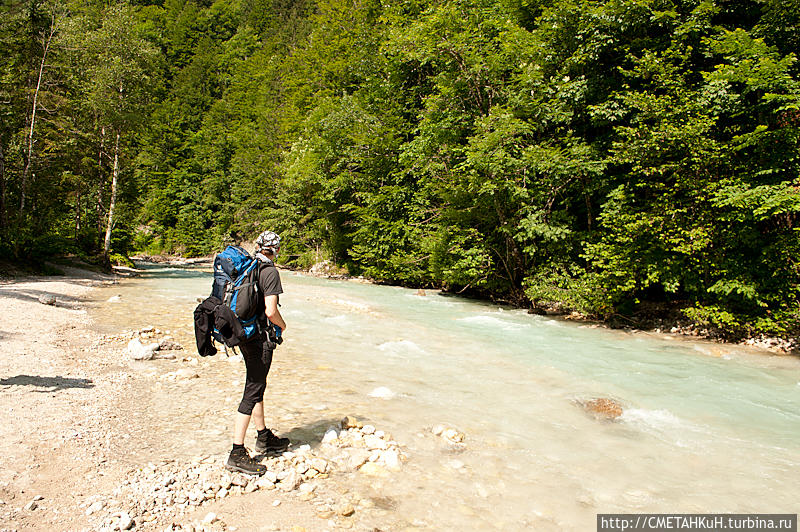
99	207
26	171
113	203
3	214
78	199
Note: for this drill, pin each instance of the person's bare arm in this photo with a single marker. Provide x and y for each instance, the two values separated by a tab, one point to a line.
274	315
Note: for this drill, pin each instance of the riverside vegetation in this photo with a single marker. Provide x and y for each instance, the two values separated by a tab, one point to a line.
610	157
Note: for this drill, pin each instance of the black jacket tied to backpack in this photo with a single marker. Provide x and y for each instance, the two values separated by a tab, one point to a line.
212	314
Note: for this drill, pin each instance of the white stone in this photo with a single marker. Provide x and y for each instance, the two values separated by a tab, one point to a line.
375	456
453	435
392	459
290	482
380	433
125	522
357	459
139	351
95	507
210	517
331	435
455	464
368	429
31	506
276	502
303	449
186	374
263	482
382	392
307	488
319	464
270	476
114	299
47	299
373	442
437	430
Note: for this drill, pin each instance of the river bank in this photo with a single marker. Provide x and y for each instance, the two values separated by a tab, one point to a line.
101	441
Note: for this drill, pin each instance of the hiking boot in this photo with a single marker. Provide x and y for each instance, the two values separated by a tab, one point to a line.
267	442
239	460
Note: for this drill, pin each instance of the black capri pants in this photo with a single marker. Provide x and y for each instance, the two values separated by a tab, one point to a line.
257	359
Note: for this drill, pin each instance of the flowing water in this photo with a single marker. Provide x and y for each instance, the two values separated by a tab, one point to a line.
706	427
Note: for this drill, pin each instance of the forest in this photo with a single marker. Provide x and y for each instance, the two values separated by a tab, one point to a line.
599	156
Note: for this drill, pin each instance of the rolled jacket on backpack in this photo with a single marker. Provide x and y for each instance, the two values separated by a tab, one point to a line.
211	316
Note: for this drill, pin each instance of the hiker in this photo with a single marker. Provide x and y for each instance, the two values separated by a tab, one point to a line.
257	353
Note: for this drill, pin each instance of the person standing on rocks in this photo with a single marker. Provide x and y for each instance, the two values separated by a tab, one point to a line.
257	354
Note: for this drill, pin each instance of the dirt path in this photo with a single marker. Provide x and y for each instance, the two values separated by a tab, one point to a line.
94	440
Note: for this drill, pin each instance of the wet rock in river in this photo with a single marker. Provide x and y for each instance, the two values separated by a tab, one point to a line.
602	407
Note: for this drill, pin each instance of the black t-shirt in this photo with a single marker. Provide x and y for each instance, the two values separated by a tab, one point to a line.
269	280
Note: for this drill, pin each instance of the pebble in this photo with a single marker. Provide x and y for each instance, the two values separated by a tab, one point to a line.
164	491
290	482
210	517
32	505
374	442
346	510
139	351
455	464
349	422
453	435
125	522
95	507
392	459
374	470
276	502
357	459
47	299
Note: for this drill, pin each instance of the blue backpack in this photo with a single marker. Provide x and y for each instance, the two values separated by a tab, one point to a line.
236	285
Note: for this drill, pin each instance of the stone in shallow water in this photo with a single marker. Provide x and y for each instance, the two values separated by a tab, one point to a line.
602	408
382	392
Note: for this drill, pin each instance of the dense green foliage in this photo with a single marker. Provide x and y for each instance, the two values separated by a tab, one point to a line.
595	154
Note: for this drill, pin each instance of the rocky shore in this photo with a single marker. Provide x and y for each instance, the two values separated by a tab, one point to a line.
131	431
